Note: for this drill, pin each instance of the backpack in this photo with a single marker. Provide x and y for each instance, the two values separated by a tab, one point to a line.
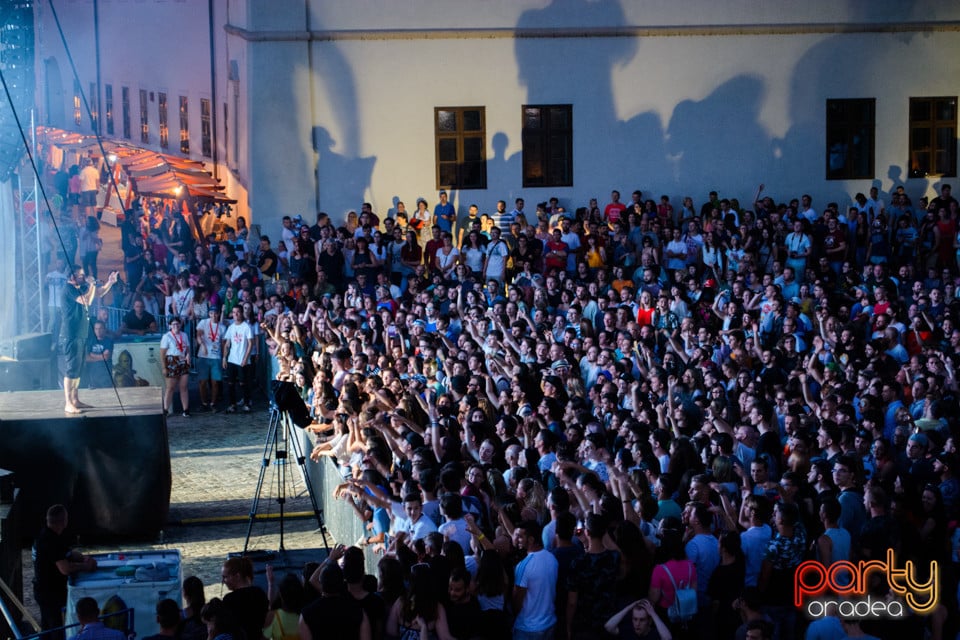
684	605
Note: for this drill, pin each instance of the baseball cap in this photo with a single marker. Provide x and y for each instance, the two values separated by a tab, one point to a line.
554	380
947	459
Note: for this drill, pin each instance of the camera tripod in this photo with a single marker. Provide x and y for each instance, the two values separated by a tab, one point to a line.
282	440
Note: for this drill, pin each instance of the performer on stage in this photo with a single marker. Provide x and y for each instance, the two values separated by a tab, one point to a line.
78	293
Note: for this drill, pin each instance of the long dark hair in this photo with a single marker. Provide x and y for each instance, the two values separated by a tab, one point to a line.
671	540
420	598
292	596
390	583
193	594
491	576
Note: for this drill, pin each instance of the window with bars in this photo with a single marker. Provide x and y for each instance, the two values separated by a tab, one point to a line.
933	137
226	134
461	147
93	99
125	110
108	105
77	104
205	131
850	138
184	126
547	139
162	113
144	118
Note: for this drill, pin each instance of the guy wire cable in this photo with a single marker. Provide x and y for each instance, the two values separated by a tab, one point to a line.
46	201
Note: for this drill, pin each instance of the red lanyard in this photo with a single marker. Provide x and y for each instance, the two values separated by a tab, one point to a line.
179	339
213	335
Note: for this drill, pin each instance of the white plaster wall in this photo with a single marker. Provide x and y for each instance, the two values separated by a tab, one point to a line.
668	115
506	14
280	150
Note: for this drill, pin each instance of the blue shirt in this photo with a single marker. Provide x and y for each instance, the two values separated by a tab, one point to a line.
442	210
841	544
853	514
96	631
703	551
754	543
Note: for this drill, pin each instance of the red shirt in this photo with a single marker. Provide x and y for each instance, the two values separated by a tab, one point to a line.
613	210
552	261
645	316
430	252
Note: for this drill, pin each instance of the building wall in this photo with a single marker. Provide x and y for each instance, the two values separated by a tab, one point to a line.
669	115
417	15
155	45
333	101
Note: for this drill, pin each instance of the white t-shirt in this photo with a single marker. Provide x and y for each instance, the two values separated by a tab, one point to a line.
537	573
178	345
456	530
289	238
89	178
210	335
497	253
180	302
573	245
416	530
445	260
238	335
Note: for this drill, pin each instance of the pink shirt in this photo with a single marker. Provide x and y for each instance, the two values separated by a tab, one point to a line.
683	573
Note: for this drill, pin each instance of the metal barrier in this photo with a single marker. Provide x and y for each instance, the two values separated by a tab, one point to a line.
339	518
130	633
115	320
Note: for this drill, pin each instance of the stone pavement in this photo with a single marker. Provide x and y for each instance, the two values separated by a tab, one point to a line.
215	461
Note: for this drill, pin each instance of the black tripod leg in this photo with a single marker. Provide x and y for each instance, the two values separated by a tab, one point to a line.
268	446
301	460
282	459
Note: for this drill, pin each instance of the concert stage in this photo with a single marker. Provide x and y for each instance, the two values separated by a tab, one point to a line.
110	465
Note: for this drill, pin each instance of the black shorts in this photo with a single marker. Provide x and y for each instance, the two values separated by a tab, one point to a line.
88	198
70	356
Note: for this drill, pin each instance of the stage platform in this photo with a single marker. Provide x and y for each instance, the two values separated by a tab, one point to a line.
110	465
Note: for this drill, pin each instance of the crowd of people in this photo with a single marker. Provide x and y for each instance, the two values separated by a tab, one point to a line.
638	417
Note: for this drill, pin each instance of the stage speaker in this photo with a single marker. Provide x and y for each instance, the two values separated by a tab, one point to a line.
26	375
286	398
29	346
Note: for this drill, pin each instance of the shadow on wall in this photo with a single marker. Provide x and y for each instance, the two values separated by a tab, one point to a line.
826	71
627	149
347	177
638	152
709	136
719	139
342	178
504	171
